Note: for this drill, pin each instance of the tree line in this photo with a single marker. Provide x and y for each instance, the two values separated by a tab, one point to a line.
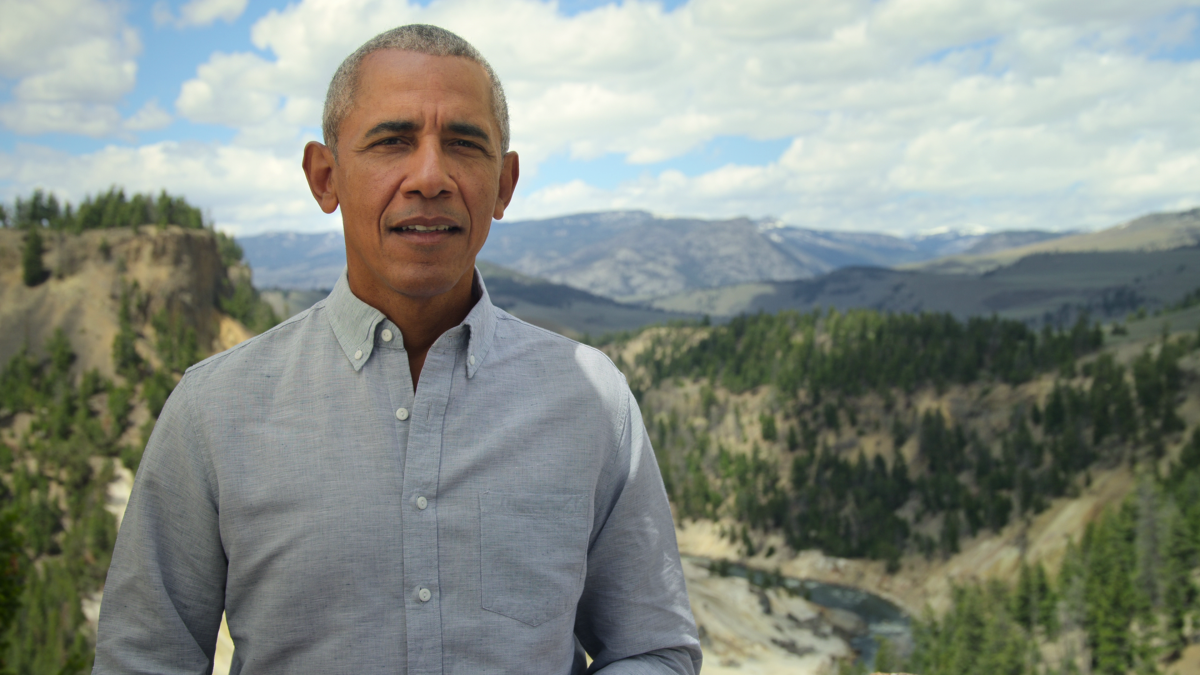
864	350
102	211
42	211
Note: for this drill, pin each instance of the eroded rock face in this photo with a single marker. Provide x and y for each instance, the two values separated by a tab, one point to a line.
750	630
172	268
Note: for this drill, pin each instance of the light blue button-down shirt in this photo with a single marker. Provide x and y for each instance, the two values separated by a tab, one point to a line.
505	517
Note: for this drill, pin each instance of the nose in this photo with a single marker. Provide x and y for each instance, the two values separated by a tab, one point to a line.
428	176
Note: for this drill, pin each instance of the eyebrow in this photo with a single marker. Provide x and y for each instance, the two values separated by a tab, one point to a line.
405	126
468	129
391	127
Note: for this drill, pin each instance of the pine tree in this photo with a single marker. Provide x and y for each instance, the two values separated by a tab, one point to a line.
125	355
34	271
11	578
1147	548
887	659
1110	596
1179	593
769	431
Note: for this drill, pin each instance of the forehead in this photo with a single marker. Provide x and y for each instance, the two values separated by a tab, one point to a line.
391	78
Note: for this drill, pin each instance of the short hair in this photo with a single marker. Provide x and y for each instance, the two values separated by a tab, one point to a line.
419	38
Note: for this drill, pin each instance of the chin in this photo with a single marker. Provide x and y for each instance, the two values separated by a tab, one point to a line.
425	285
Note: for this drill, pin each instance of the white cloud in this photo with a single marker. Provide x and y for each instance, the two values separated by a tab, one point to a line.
67	50
247	189
903	115
230	89
72	61
149	116
86	119
199	12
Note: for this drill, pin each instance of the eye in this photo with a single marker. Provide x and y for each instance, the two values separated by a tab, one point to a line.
390	142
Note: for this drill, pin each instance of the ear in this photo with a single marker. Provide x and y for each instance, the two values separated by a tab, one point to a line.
318	169
510	170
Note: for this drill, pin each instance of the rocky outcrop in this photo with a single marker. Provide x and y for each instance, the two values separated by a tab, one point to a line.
170	268
744	629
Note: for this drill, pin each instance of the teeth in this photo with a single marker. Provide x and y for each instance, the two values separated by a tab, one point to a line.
422	228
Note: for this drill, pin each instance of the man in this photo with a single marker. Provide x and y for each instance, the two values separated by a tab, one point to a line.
404	478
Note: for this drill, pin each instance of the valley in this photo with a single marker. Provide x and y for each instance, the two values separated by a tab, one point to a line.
991	452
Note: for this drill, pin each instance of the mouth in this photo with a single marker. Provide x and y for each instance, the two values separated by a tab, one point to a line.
425	230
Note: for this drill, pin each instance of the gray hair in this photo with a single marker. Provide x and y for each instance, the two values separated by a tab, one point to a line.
419	38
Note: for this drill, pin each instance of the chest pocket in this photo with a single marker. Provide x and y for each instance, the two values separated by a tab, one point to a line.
533	553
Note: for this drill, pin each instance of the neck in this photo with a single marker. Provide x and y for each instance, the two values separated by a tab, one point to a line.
421	320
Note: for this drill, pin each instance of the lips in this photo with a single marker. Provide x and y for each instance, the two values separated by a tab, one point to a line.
425	228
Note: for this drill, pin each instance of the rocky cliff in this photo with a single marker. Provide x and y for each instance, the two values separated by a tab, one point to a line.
173	269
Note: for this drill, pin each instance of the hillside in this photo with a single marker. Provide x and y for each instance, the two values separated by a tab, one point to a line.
566	310
1055	286
95	331
178	271
910	457
1154	232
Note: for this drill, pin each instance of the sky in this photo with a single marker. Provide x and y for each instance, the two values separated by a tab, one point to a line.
898	116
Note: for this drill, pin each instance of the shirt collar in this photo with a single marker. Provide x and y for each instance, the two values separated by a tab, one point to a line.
355	324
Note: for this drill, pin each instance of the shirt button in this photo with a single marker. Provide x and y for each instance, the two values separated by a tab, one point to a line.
401	414
471	359
424	594
386	335
422	503
358	355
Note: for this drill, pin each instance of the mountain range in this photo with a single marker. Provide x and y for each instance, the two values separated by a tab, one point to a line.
635	255
295	260
602	272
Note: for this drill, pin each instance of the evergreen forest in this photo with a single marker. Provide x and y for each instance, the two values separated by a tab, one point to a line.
833	381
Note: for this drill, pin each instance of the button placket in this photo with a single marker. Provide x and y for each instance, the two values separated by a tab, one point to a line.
422	463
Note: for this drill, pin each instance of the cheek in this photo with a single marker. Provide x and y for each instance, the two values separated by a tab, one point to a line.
479	189
371	189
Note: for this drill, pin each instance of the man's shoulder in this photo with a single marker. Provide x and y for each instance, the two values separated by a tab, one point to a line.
538	347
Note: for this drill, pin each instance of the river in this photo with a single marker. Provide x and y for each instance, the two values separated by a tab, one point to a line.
883	619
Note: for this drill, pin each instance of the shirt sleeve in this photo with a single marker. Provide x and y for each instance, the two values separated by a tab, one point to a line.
634	615
165	589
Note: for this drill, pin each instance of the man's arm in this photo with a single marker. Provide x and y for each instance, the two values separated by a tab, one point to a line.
166	586
634	615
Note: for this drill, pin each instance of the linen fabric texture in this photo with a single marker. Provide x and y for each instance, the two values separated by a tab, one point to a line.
505	517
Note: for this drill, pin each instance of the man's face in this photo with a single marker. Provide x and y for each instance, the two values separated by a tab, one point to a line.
419	175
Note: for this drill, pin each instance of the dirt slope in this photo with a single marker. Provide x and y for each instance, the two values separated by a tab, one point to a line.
174	268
